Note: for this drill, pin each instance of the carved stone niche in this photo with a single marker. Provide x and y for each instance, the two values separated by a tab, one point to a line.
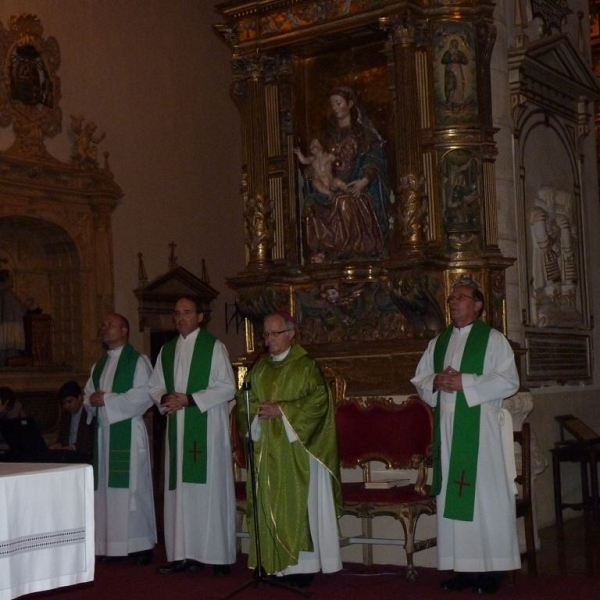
55	220
157	299
553	89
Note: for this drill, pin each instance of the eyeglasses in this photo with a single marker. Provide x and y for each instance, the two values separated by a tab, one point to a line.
459	297
272	334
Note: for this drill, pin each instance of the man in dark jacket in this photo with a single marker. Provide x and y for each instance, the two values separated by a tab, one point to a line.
74	432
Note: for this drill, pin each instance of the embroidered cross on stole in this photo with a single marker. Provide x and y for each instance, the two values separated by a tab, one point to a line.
464	452
195	422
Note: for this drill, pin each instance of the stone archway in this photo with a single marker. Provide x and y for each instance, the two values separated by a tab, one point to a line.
45	268
56	236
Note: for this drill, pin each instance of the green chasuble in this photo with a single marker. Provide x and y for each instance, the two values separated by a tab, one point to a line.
283	468
464	453
119	457
195	422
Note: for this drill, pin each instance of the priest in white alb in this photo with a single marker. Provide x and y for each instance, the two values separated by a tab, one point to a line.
117	394
465	374
192	385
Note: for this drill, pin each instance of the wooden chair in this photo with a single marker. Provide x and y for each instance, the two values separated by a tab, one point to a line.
582	447
524	500
400	437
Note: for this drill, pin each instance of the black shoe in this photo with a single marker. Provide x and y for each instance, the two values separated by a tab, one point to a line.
105	560
179	566
142	558
461	581
489	583
221	570
299	580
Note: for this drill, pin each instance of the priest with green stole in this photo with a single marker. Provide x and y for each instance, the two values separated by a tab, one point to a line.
117	394
192	385
465	374
296	460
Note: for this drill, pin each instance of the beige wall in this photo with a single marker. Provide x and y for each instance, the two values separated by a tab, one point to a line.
155	77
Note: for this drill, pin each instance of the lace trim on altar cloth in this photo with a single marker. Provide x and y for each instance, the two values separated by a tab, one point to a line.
42	541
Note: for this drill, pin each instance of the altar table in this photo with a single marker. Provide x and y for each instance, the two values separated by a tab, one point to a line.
46	527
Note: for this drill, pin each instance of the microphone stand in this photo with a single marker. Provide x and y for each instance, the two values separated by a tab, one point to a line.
259	575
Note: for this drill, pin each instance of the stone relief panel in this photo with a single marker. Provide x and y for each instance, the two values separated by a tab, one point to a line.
554	263
552	209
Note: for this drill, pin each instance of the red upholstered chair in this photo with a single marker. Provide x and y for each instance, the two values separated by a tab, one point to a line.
400	437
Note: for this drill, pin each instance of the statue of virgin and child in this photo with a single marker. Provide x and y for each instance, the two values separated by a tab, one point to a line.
347	196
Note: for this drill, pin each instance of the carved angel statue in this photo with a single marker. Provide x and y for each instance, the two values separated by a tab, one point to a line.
85	150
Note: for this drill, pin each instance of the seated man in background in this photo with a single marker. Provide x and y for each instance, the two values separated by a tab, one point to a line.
75	433
10	407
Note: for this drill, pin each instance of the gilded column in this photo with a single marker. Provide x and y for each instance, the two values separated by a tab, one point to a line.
411	216
249	92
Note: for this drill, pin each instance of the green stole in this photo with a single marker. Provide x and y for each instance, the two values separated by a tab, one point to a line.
464	453
195	422
119	456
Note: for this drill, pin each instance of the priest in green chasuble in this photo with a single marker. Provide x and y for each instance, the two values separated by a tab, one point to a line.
296	459
117	395
192	384
465	374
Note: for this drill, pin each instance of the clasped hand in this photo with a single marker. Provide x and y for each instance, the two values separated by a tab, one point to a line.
97	398
172	402
268	410
449	381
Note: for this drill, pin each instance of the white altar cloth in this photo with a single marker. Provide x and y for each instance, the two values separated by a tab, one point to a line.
46	527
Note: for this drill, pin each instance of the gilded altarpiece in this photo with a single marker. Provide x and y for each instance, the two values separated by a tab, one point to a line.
368	182
55	220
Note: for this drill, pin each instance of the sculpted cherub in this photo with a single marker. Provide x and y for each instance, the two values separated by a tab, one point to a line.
85	146
321	165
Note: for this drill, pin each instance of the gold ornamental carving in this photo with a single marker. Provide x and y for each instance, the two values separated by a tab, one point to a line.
55	216
412	209
368	180
29	85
